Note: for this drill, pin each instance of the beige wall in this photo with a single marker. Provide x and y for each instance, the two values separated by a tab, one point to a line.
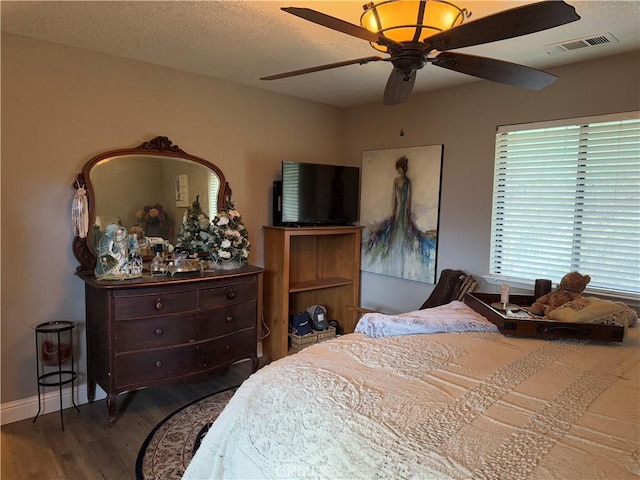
61	106
464	120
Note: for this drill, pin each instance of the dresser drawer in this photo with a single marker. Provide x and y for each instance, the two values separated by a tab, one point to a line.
153	304
169	330
228	294
166	364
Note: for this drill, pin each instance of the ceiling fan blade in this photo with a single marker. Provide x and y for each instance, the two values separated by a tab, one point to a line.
319	68
507	24
398	87
495	70
339	25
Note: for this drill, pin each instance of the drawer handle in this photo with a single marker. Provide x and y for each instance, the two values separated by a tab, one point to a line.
229	319
159	331
158	364
159	305
231	295
228	347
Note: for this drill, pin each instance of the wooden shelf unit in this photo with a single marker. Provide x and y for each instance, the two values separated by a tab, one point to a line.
309	266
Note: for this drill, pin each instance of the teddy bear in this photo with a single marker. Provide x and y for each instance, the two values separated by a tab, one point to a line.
570	288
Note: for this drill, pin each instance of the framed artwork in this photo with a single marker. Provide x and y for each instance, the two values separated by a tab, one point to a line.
399	209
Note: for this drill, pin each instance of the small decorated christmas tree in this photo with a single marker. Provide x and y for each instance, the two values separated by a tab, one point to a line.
229	239
194	231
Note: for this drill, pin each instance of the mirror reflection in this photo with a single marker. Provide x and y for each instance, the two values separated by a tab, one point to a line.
149	194
147	190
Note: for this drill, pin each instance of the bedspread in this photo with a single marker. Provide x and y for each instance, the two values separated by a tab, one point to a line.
445	405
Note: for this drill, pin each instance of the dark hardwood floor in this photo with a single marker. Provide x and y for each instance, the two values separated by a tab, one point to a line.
89	448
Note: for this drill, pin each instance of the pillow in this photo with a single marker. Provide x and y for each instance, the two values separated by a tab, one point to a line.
594	310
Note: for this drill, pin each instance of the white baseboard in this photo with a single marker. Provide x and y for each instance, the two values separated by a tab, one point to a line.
50	401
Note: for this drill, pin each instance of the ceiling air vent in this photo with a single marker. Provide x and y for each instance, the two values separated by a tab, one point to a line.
590	41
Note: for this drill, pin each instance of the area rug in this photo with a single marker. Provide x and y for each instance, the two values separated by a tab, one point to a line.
171	445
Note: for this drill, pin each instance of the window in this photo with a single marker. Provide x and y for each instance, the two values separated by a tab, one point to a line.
566	197
214	188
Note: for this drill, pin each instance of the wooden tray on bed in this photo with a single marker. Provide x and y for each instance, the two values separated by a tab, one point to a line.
518	322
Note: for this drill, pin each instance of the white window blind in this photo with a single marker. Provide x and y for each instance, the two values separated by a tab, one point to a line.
291	179
214	188
566	197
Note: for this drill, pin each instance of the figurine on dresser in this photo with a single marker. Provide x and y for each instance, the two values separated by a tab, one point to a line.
117	255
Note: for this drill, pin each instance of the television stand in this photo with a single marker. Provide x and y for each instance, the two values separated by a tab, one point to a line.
305	266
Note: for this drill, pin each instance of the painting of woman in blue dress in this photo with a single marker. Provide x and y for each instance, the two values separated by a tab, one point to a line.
396	244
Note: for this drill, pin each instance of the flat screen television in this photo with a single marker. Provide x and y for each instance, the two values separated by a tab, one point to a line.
319	194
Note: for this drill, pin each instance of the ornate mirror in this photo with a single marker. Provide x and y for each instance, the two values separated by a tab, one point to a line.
147	190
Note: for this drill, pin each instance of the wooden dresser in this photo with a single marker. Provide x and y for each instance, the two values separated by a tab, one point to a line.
157	330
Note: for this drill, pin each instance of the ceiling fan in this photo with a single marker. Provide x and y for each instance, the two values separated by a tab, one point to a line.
415	33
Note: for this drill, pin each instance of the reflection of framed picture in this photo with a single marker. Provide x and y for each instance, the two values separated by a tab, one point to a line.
182	191
399	208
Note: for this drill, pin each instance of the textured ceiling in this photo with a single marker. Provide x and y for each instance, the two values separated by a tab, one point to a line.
241	41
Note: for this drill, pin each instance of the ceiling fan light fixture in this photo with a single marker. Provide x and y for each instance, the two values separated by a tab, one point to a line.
410	21
417	32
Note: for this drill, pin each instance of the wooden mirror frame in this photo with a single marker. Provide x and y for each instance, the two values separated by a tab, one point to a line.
159	146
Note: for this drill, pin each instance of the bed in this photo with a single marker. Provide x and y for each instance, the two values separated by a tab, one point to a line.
473	404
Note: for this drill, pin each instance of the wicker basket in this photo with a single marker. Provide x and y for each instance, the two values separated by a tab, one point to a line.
326	334
299	342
